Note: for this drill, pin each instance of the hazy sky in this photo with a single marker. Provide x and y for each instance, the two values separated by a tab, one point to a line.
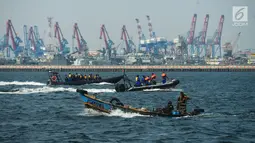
169	17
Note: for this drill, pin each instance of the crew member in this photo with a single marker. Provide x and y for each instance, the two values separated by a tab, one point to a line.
147	80
153	78
85	76
143	80
169	108
182	103
163	75
138	82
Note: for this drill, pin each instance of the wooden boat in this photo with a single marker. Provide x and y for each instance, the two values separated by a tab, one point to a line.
55	79
90	101
126	88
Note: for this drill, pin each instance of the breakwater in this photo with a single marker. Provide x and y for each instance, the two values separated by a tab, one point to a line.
119	68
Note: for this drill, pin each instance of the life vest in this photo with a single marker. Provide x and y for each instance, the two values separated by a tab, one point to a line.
137	79
163	75
85	77
95	77
69	75
153	76
146	79
54	78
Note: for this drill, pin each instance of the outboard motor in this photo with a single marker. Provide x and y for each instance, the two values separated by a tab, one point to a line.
120	87
176	81
199	110
82	91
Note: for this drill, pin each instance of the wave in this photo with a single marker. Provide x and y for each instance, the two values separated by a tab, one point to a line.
47	89
163	90
114	113
102	83
22	83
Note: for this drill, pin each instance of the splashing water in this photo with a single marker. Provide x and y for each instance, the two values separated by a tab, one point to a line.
47	89
114	113
22	83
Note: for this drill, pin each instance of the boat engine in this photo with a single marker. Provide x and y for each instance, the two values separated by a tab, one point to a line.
115	101
120	87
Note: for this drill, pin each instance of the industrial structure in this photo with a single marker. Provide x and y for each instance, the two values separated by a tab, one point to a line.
187	49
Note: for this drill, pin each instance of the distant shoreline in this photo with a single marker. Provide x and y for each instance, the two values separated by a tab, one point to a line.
116	68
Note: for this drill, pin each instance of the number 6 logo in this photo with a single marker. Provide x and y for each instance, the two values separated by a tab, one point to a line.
240	13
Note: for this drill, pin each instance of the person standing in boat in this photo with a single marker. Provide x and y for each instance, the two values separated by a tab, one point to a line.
138	82
153	78
164	76
182	103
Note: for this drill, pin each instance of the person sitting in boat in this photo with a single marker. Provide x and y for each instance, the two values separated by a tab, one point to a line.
153	78
164	76
147	80
98	77
182	103
66	78
94	77
81	77
89	76
85	77
143	82
138	82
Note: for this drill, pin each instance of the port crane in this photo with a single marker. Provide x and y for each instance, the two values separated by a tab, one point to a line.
200	40
190	35
35	43
129	43
108	42
15	39
216	40
63	49
141	36
37	37
156	42
82	44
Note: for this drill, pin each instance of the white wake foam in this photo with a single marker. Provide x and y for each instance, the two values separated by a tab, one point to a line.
163	90
103	83
22	83
47	89
114	113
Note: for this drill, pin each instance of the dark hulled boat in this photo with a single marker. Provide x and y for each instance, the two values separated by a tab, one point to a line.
126	88
55	79
90	101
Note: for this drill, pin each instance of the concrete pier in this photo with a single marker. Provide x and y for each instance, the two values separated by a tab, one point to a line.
117	68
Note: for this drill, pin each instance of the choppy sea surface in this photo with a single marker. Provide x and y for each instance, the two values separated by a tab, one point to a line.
33	112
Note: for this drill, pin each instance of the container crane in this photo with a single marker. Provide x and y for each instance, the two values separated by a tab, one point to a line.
11	33
34	43
63	49
26	41
129	43
141	36
82	44
201	38
108	42
151	33
190	36
217	38
37	36
152	42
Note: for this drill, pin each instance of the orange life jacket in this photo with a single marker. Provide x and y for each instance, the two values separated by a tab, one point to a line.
163	75
153	76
